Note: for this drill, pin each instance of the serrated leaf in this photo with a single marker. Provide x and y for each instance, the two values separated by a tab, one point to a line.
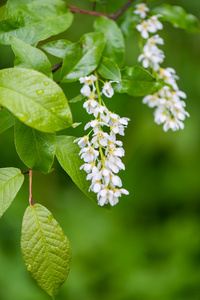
57	48
30	57
11	181
45	248
115	47
35	148
6	120
82	57
137	82
67	153
35	21
109	70
34	99
178	17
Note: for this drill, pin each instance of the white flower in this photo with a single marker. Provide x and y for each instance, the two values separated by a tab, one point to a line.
154	40
101	138
141	9
82	141
89	154
154	23
173	124
87	80
169	76
151	58
108	90
153	100
114	163
90	106
145	27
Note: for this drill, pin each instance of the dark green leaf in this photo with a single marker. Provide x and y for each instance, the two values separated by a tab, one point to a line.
178	17
108	69
82	57
35	148
137	82
128	22
34	99
11	181
45	248
115	47
6	120
57	48
35	21
30	57
67	153
2	12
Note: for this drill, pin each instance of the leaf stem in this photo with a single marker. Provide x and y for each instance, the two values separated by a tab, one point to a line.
30	188
56	67
1	107
25	173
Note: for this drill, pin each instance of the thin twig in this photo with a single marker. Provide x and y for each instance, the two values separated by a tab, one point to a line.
27	172
122	10
56	67
30	188
88	12
1	107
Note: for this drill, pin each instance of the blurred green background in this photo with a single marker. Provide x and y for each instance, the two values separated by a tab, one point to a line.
147	247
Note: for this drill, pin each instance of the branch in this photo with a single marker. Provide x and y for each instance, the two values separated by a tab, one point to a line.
122	10
94	13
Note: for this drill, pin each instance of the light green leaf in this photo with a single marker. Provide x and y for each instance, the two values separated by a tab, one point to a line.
34	99
67	153
115	47
57	48
30	57
178	17
108	69
137	82
82	57
11	181
35	148
45	248
6	120
35	21
2	12
78	98
14	3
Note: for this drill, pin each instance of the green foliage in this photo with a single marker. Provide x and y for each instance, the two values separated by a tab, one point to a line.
82	57
108	69
6	120
45	248
67	153
35	21
115	47
35	148
30	57
11	181
34	99
137	82
2	12
57	48
178	17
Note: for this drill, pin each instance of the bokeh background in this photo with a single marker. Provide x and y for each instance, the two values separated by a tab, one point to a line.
147	247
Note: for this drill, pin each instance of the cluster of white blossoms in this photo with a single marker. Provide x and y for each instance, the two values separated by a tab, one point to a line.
170	108
100	149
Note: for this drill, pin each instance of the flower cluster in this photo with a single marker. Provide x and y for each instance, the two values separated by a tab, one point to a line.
102	152
170	108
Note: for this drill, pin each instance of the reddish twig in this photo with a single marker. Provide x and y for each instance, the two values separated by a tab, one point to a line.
88	12
56	67
122	10
25	173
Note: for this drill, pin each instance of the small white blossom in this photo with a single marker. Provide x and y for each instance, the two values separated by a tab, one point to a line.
108	90
141	9
145	27
154	23
88	80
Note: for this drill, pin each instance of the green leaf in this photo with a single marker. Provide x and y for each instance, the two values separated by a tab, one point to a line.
115	47
82	57
6	120
137	82
57	48
30	57
11	181
35	21
45	248
2	12
34	99
35	148
178	17
78	98
128	22
14	3
108	69
67	153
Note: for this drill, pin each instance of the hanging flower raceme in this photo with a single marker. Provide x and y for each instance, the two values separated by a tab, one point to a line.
170	108
100	149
